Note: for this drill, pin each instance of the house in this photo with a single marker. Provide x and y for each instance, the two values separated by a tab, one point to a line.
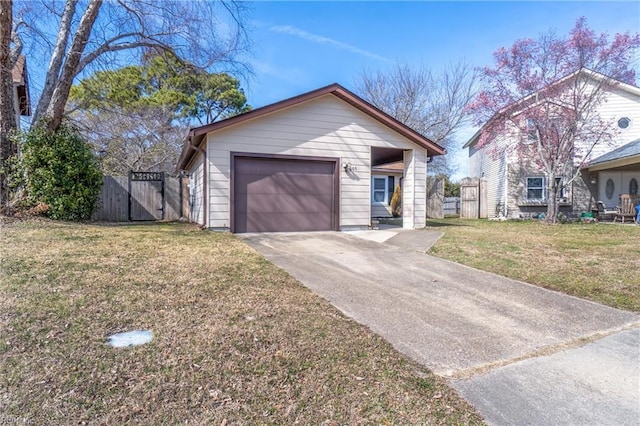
517	187
21	99
308	163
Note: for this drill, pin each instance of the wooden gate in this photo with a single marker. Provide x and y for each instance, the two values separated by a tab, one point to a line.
473	193
146	196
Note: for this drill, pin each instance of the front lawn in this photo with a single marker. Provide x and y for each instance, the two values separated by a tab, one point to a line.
599	262
236	340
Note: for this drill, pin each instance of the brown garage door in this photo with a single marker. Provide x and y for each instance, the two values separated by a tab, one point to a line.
283	195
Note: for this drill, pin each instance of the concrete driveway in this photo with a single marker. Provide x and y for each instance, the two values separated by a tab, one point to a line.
507	346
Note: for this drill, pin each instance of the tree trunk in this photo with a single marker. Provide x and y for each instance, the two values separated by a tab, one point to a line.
7	112
552	200
55	109
57	57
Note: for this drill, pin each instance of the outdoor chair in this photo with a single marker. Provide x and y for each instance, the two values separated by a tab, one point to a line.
627	208
606	213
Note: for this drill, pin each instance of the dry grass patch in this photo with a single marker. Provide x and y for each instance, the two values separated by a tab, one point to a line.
236	339
599	262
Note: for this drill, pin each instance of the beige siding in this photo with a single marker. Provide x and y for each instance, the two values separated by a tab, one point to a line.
414	191
323	127
195	191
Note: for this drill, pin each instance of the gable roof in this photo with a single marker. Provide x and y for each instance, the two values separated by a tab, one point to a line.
632	149
197	134
625	87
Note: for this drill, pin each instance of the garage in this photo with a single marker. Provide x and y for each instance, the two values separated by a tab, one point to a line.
283	193
302	164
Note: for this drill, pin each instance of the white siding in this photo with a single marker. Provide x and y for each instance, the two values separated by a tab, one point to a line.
323	127
620	104
492	166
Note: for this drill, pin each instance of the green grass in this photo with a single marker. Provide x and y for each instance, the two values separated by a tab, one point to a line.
599	262
236	340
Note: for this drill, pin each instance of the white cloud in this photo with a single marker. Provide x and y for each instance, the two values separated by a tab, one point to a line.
291	30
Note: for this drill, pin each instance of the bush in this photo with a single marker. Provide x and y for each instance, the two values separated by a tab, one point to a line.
61	172
396	202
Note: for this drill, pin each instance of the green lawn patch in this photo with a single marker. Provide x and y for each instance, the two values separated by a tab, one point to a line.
236	340
599	262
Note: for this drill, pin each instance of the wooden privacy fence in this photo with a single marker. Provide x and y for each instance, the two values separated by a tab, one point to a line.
451	206
143	196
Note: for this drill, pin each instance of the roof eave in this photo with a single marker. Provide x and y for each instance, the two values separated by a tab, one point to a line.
614	163
335	89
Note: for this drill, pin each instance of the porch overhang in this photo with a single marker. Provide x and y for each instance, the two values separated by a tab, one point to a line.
627	163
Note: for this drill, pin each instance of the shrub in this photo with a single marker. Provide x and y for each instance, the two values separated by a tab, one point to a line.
61	172
396	202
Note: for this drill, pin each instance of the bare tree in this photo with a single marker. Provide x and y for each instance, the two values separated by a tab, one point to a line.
144	139
432	104
93	32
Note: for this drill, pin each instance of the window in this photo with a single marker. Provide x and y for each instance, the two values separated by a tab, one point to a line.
562	193
535	189
532	133
382	189
633	186
624	122
609	188
379	193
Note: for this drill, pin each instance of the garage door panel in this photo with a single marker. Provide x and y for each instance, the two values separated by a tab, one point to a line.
288	185
287	222
267	203
272	195
268	166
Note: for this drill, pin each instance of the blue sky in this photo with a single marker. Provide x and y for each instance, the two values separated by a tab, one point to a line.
301	46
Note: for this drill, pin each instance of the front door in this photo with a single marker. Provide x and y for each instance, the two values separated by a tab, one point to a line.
613	184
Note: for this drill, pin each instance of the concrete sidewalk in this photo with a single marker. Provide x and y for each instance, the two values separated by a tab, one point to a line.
597	384
459	322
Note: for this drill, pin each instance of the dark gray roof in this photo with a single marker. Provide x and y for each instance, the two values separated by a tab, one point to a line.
629	150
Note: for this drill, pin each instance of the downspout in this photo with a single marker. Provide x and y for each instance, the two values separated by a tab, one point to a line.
205	205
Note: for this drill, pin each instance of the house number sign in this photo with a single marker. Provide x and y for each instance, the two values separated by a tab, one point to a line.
146	176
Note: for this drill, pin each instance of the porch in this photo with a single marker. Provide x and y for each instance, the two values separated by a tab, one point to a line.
615	179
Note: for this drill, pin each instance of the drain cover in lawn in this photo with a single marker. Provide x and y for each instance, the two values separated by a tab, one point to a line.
130	338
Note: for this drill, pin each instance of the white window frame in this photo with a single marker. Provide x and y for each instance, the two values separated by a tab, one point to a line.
385	202
542	188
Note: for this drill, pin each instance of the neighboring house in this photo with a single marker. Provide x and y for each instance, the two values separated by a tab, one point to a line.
21	99
308	163
517	188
